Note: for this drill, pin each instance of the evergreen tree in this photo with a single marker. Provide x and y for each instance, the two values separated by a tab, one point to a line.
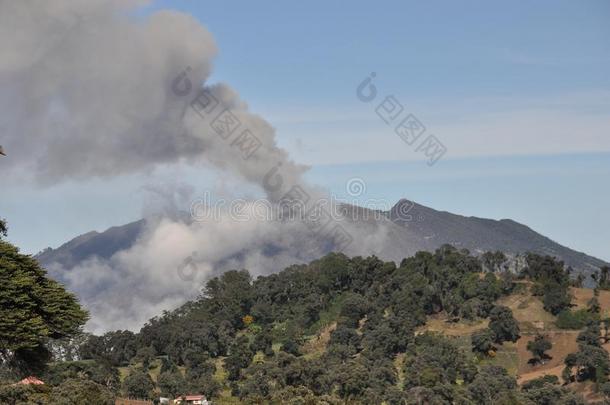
503	325
33	307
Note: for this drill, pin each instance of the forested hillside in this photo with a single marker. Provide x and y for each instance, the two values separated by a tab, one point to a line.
438	328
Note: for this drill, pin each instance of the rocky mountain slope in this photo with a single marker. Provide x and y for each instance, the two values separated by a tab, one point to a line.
414	227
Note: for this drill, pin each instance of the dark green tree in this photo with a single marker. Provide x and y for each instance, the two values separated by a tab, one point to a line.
290	346
493	261
434	359
593	306
556	297
229	297
538	347
493	384
263	342
354	308
546	391
80	391
602	278
3	228
591	361
33	308
503	325
172	384
138	384
482	341
239	358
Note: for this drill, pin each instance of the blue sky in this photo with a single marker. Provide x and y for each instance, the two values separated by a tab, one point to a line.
519	93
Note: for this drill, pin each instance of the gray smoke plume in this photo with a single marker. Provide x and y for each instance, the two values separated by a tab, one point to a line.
92	89
86	93
173	258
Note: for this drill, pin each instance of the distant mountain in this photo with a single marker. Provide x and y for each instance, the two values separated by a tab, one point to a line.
414	228
434	228
90	244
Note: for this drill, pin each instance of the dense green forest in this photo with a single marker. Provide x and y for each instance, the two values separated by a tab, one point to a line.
338	330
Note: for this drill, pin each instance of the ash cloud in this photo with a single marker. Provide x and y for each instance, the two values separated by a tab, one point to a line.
153	275
86	93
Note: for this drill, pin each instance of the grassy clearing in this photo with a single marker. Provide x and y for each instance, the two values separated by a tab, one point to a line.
529	312
225	398
440	324
154	370
317	344
581	297
318	334
123	373
564	343
507	357
399	360
221	374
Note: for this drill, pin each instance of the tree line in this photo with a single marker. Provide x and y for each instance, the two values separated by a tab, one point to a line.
337	329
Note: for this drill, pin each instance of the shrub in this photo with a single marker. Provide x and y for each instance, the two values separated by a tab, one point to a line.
574	319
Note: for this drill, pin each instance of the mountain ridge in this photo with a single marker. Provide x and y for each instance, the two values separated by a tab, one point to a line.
417	227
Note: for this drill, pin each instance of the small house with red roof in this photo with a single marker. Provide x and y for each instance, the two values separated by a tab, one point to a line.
31	380
191	400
